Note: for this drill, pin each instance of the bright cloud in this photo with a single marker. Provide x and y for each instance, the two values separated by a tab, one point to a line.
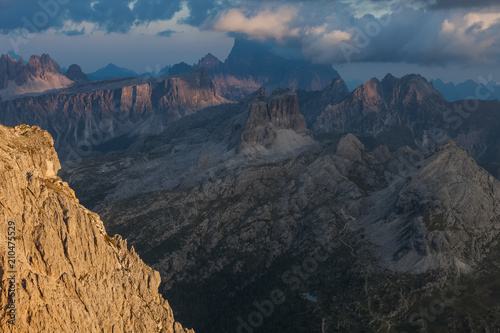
482	20
263	24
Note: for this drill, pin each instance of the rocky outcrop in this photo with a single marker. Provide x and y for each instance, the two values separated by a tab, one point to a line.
40	74
70	276
273	120
75	74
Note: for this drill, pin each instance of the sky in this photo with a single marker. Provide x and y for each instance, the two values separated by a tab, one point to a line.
453	40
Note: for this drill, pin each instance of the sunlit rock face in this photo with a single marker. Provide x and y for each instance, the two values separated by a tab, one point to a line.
70	276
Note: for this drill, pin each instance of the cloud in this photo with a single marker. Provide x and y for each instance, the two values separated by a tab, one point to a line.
263	24
166	33
325	31
109	15
75	32
120	16
440	4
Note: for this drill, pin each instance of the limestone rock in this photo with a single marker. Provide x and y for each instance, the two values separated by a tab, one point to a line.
274	120
70	275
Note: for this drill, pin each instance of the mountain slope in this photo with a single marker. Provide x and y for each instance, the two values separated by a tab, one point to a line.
70	275
393	237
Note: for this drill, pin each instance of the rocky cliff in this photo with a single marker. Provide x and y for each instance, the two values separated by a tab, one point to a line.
67	274
99	117
274	122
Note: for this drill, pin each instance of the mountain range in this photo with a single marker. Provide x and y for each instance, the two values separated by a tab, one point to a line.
272	198
486	90
39	75
111	71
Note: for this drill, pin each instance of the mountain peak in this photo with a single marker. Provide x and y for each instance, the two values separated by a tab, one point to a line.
180	68
111	71
350	147
209	61
38	65
75	74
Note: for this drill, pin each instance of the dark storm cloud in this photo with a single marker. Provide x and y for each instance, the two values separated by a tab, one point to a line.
461	3
318	29
446	4
117	16
110	15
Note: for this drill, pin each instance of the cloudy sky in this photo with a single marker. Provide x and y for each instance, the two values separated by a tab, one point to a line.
449	39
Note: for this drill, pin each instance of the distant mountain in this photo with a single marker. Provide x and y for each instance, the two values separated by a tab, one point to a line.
74	73
180	68
209	61
468	90
39	75
111	71
152	73
255	64
13	55
164	70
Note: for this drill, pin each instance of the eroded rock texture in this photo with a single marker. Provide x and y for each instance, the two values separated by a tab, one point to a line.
70	275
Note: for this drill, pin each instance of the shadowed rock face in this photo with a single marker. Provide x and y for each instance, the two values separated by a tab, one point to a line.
238	231
10	70
376	106
70	275
313	103
75	74
270	115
